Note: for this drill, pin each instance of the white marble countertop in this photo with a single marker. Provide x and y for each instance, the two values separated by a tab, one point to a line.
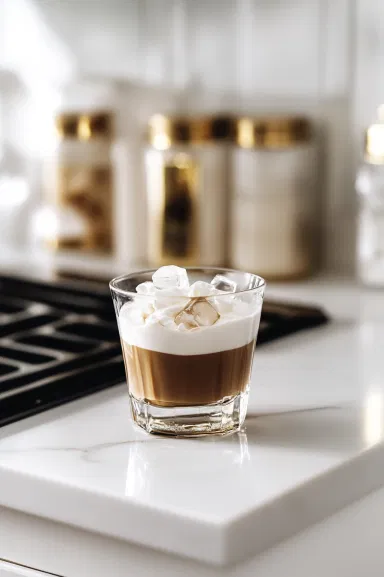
219	500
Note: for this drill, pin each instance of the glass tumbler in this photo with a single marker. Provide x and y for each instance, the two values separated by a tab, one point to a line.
188	348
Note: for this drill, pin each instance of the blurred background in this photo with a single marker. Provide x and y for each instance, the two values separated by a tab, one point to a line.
250	160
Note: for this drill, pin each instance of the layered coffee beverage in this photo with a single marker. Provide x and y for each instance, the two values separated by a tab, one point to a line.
169	380
188	345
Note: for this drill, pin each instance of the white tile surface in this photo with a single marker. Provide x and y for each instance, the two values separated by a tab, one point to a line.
32	48
336	30
277	47
162	32
368	73
103	39
211	43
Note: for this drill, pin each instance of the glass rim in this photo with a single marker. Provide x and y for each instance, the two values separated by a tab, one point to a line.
123	292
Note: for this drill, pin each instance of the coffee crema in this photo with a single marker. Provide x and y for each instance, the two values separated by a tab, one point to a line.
169	380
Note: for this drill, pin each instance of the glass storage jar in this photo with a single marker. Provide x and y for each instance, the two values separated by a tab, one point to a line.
187	179
370	191
79	185
274	205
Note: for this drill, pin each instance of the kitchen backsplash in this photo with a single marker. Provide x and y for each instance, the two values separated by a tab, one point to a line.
318	57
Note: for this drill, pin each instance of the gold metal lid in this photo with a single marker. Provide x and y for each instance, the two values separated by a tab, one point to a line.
84	125
273	132
374	144
213	128
164	131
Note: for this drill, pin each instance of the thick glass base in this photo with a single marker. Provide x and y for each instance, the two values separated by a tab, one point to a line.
221	418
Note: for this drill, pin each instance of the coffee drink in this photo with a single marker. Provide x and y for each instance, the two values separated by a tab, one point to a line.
169	380
188	345
188	338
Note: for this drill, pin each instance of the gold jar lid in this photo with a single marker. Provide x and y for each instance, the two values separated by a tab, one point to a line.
374	144
84	125
213	129
273	132
165	131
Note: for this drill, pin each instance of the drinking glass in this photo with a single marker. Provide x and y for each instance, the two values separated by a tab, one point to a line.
188	359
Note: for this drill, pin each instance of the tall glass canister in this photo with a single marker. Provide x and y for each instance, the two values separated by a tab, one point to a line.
187	162
274	205
370	191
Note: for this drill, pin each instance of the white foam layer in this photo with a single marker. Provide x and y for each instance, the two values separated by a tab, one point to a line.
229	332
170	316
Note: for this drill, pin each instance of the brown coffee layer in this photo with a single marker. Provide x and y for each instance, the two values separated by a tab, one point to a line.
179	380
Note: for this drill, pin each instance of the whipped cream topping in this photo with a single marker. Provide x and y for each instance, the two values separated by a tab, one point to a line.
171	316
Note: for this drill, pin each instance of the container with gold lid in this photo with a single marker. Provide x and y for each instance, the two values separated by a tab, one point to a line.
79	184
273	197
370	191
187	162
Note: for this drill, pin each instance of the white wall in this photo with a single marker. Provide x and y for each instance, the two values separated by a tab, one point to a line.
321	57
369	58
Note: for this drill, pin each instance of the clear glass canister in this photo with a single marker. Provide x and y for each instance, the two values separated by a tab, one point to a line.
370	190
79	185
186	166
274	206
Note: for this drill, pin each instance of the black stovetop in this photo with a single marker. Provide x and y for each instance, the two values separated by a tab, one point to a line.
59	342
